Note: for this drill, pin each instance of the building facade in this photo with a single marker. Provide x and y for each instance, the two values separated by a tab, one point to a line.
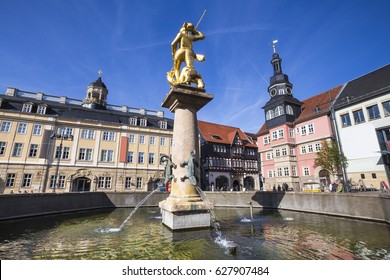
229	159
57	144
362	114
292	135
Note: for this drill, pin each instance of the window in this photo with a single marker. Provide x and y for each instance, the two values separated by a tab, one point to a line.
108	136
270	173
386	108
286	171
88	134
373	175
10	181
280	174
107	155
303	130
289	110
141	156
151	158
345	120
279	111
291	132
2	148
142	139
33	150
358	116
152	140
274	135
22	128
303	149
143	122
131	138
163	125
59	184
17	151
27	108
310	128
266	140
65	131
37	129
64	154
306	171
280	133
41	109
292	151
284	151
268	156
362	176
373	112
270	114
162	141
277	153
133	121
5	126
104	182
139	183
85	154
26	180
294	170
310	148
128	182
130	157
171	142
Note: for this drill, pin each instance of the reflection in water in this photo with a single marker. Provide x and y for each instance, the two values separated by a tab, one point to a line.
270	235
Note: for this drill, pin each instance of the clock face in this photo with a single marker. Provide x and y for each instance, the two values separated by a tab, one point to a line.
289	91
273	92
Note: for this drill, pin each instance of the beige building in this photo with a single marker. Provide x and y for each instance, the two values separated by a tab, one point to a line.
57	144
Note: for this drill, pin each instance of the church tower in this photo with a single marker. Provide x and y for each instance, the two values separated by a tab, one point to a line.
282	106
97	92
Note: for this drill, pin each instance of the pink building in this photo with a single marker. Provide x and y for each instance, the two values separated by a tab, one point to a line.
292	135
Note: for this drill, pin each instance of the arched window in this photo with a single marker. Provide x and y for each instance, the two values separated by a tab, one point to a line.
279	111
289	110
270	114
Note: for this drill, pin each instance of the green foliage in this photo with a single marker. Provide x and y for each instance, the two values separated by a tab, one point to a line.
330	158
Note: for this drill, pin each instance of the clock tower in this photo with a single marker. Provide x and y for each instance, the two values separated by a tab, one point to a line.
282	106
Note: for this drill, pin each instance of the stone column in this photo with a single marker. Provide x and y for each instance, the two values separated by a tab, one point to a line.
184	208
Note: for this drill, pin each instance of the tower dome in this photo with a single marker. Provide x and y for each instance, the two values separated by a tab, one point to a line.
97	92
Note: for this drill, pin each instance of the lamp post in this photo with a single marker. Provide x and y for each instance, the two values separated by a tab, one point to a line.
60	136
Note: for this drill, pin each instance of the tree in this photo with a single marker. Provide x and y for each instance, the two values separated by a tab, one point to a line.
330	158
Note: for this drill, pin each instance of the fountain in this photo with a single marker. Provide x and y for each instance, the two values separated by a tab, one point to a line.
184	208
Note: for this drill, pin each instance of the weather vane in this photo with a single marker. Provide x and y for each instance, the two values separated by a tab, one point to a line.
274	45
100	73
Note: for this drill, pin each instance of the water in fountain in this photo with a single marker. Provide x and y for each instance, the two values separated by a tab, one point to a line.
221	241
118	229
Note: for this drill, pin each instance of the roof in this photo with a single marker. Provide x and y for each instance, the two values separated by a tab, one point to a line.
217	133
313	107
365	87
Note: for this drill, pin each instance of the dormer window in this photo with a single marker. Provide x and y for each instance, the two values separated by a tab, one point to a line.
270	114
143	122
27	107
289	110
163	124
41	109
133	121
279	111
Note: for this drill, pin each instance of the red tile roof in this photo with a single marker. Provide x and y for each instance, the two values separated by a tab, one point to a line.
313	107
223	134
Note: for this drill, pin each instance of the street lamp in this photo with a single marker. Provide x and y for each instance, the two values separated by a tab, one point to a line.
60	136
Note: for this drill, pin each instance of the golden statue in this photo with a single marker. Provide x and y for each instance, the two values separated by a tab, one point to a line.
182	52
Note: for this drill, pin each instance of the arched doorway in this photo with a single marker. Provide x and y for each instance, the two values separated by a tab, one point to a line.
81	184
249	183
221	183
324	177
236	185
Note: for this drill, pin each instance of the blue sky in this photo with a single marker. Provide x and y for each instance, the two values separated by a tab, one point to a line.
57	47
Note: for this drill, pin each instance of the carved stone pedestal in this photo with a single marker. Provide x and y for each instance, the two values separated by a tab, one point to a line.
184	208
